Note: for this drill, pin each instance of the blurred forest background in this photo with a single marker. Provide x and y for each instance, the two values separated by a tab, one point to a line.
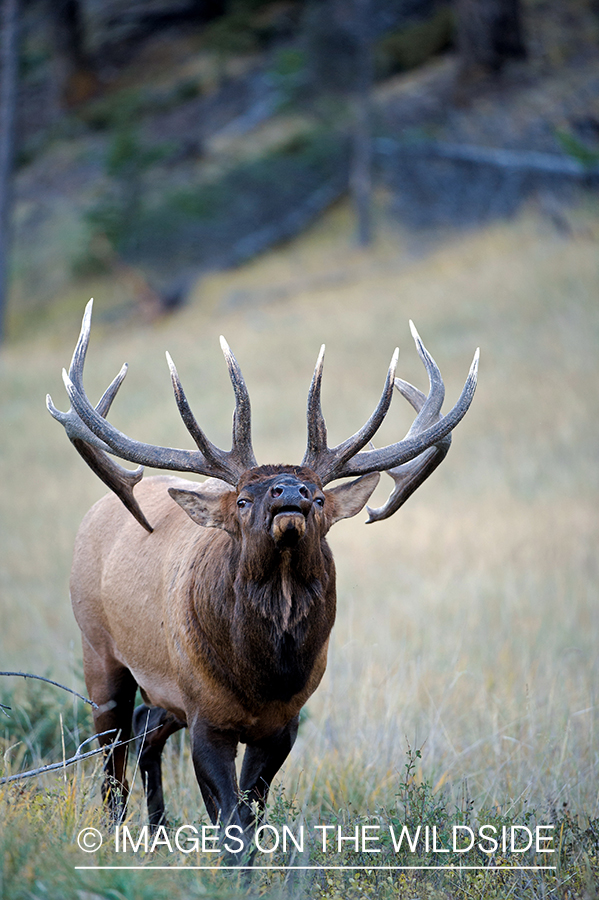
145	143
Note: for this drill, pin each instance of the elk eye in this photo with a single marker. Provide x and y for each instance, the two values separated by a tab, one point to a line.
319	501
242	502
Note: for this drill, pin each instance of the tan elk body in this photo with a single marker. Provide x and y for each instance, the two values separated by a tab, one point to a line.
218	598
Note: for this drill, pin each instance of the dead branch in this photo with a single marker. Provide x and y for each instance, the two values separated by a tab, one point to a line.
50	767
64	762
49	681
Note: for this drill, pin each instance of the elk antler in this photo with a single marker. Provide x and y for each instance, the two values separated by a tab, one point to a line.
409	461
410	475
118	479
94	437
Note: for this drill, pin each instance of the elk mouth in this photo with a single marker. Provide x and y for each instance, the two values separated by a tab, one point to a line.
288	525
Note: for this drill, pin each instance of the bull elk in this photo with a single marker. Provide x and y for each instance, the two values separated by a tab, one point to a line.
220	610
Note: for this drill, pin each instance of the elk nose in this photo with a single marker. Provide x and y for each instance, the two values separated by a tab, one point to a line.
292	495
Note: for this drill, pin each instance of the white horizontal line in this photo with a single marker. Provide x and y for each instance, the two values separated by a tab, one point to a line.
351	868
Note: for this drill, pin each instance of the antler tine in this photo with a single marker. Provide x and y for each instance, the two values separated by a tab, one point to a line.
430	429
436	395
91	448
317	429
80	351
211	453
410	393
328	462
78	361
75	428
241	450
136	451
355	443
73	425
95	453
427	407
409	476
116	477
111	391
89	425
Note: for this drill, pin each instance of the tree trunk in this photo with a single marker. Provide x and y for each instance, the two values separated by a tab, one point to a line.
361	167
360	178
8	92
339	36
74	77
489	34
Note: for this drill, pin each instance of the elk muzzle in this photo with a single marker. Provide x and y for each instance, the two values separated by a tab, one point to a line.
290	506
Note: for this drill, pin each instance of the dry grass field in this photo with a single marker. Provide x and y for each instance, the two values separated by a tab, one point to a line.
468	624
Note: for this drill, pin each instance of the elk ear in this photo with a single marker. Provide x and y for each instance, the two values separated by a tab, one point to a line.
206	507
349	498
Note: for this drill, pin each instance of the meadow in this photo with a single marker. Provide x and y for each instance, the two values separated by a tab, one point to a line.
463	670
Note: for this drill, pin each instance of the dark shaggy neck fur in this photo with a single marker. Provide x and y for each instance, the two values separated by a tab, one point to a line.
284	611
283	584
271	608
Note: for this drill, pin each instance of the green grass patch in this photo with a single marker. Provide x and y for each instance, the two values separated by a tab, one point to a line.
406	848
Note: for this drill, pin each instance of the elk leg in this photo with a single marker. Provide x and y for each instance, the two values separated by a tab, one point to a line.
213	753
112	687
261	762
152	726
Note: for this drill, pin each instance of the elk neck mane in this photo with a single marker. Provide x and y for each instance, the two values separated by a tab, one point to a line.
283	585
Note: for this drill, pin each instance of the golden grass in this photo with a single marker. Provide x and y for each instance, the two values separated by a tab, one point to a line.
468	623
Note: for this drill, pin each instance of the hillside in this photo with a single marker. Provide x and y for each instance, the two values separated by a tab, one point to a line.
177	167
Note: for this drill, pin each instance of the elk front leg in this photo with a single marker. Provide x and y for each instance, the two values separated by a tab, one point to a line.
152	726
261	763
112	687
213	753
